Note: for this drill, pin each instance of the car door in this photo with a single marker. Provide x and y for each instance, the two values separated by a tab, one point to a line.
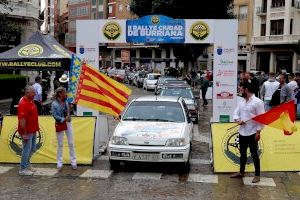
189	127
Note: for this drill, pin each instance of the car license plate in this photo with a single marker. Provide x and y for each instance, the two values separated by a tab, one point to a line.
145	156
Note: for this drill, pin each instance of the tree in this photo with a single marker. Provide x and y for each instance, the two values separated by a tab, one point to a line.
9	30
184	9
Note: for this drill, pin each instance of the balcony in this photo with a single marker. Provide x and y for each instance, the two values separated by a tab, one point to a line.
275	39
261	11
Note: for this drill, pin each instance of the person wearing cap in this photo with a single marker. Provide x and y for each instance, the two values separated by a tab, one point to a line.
63	80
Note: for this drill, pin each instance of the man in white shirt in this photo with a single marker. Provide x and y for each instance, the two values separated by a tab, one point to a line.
268	88
249	131
38	94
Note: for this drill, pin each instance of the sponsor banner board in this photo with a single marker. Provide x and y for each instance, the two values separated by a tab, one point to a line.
277	152
155	29
83	132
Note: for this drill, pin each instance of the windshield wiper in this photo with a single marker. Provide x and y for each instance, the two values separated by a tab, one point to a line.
134	119
161	120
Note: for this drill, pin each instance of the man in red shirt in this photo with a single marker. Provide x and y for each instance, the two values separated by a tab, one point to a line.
28	126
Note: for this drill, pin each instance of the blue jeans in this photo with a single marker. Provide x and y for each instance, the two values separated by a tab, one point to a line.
29	147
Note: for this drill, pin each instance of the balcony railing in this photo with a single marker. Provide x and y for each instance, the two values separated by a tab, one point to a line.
278	4
276	39
261	11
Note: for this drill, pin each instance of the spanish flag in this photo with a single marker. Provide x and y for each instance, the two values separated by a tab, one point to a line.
281	117
98	91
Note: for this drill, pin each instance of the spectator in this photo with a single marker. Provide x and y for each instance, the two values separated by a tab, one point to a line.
255	84
282	94
63	80
27	128
38	98
204	87
267	90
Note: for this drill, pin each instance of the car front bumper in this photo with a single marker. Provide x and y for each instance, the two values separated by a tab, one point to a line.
151	87
161	153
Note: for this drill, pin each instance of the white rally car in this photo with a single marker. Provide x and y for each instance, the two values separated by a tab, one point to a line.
153	129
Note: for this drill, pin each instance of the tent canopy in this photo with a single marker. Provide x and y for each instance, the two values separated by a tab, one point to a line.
39	52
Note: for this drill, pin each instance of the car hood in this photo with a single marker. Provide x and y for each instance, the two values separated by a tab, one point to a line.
149	133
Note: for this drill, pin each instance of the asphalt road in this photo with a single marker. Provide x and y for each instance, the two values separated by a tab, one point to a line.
147	181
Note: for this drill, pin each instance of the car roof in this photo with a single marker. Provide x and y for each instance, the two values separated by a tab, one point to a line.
158	98
154	74
170	85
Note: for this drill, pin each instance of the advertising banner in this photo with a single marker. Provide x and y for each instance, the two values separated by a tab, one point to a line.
277	152
112	31
199	30
225	70
155	29
83	130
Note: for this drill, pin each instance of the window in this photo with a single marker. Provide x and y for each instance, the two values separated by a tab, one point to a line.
110	9
242	40
291	26
73	12
278	3
93	2
243	15
277	27
263	30
120	7
72	25
100	8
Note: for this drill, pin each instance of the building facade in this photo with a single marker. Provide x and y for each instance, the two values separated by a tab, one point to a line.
243	10
79	10
24	14
276	35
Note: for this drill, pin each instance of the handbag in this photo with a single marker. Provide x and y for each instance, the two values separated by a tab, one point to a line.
59	127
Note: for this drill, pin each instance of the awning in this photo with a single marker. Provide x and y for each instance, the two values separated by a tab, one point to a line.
39	52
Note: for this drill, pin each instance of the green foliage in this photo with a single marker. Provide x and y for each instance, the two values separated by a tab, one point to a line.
11	76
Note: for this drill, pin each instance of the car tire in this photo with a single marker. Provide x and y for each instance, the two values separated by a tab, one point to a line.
185	167
114	165
196	121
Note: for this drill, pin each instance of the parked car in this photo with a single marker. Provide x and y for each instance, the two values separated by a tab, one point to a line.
161	81
150	81
186	92
153	129
139	78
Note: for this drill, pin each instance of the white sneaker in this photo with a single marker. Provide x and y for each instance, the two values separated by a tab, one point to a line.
74	166
25	172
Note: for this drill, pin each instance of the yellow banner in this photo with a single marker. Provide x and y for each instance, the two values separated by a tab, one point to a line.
83	132
277	152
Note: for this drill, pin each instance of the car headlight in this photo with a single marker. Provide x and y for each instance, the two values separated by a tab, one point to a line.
175	142
191	107
116	140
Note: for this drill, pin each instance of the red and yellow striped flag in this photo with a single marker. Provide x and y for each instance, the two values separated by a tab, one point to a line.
98	91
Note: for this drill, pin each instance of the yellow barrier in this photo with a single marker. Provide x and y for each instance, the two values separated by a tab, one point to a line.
277	152
83	130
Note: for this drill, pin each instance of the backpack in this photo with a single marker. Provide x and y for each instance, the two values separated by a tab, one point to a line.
275	100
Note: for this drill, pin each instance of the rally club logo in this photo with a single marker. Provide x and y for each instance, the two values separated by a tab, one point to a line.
15	141
30	50
155	19
231	148
112	30
199	30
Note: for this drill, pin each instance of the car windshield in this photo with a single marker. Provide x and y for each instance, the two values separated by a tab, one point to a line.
163	80
153	77
142	75
160	111
179	92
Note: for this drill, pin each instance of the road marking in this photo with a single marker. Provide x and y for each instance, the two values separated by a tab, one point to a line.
4	169
201	178
146	176
103	158
263	182
200	162
90	173
45	172
198	137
